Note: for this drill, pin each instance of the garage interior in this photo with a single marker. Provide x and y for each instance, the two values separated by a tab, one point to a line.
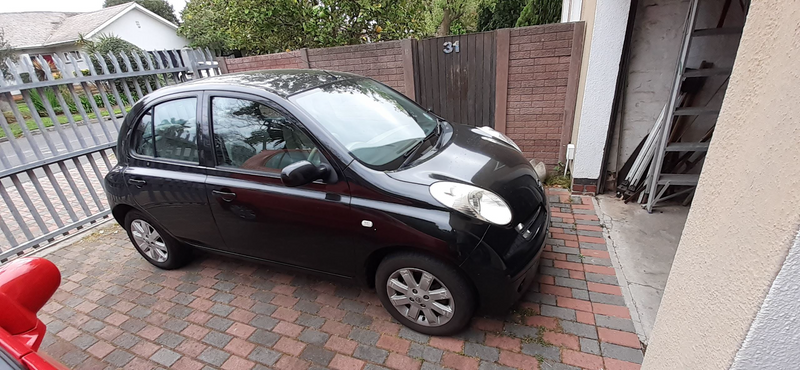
651	174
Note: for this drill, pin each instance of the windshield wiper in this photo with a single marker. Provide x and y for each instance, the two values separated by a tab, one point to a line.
410	153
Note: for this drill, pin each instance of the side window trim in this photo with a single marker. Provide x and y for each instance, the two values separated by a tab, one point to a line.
208	115
150	109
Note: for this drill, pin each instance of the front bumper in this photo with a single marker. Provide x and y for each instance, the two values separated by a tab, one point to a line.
500	276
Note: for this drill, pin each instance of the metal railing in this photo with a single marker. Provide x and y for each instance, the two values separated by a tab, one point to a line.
64	128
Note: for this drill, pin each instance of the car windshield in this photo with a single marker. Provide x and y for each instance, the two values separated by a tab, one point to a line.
376	124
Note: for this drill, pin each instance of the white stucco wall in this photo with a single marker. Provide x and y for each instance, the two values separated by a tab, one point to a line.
745	214
148	34
773	339
608	34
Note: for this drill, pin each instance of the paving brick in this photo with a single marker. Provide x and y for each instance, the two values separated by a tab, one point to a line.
341	345
546	322
503	342
217	339
288	329
561	340
581	330
614	364
548	352
312	336
291	363
456	361
237	363
571	283
611	310
413	335
615	323
611	299
400	362
580	294
590	346
357	319
213	356
447	344
575	304
364	336
370	354
170	340
580	359
518	361
100	349
264	356
118	358
264	337
559	312
481	351
289	346
486	365
340	362
261	322
585	317
239	347
621	353
426	353
165	357
317	354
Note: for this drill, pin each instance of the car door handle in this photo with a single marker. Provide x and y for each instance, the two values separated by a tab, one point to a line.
137	182
225	195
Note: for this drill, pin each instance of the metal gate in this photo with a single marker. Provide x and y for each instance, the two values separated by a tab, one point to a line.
455	77
59	119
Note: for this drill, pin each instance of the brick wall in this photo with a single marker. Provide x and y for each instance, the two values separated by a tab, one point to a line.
541	72
538	73
382	61
292	59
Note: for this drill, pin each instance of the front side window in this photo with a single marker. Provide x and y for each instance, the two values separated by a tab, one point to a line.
169	130
376	124
253	136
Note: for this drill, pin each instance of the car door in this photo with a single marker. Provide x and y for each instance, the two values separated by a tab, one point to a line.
164	175
257	215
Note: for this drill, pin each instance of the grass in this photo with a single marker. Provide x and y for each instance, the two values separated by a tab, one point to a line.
16	129
558	180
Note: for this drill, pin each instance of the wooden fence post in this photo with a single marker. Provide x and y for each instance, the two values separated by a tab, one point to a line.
502	43
408	67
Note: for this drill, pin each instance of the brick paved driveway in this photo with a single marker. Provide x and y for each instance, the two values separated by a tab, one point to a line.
114	310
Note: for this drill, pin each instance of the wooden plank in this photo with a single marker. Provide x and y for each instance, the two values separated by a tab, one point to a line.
408	68
480	73
573	80
502	45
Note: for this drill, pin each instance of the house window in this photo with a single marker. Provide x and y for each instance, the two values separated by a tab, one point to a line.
74	55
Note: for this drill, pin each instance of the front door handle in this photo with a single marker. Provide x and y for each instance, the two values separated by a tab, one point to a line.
137	182
224	195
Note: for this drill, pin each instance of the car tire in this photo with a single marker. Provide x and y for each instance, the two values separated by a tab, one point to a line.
154	244
419	301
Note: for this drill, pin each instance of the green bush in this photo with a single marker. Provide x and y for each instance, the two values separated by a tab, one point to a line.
538	12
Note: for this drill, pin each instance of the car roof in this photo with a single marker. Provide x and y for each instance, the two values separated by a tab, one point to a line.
282	82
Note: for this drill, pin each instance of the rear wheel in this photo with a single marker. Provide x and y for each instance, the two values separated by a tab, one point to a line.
155	245
424	293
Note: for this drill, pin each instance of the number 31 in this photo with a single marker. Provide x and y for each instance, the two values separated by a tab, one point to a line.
449	47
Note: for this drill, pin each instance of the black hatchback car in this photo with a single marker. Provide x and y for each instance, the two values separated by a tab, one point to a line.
335	174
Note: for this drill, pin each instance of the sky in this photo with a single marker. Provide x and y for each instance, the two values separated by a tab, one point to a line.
66	5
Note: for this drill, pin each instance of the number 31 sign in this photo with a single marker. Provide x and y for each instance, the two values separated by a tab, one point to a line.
450	47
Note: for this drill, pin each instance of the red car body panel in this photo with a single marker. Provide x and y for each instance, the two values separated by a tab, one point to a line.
25	286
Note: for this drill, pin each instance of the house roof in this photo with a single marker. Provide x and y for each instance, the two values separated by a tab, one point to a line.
26	30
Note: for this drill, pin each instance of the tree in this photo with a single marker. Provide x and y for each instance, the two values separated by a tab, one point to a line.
160	7
540	12
499	14
5	52
446	17
258	26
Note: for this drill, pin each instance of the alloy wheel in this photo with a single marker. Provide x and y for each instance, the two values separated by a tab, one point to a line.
420	297
149	241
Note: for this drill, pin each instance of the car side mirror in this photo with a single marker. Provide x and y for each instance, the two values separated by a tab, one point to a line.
303	172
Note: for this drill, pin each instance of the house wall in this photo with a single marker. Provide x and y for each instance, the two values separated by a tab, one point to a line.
148	34
733	284
655	48
608	34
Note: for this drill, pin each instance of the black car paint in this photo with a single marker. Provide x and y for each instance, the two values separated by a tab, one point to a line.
239	212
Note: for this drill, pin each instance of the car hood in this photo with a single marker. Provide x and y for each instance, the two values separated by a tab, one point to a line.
472	156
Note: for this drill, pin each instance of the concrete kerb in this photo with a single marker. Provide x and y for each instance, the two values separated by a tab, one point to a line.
623	282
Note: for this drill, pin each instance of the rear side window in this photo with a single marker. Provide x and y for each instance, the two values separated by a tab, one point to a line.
169	130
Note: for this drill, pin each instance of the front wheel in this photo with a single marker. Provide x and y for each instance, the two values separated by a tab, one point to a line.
424	293
155	245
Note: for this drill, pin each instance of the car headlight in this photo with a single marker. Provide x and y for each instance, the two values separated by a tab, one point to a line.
472	201
499	136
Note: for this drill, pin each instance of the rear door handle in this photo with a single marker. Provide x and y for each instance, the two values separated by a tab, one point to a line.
137	182
224	195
